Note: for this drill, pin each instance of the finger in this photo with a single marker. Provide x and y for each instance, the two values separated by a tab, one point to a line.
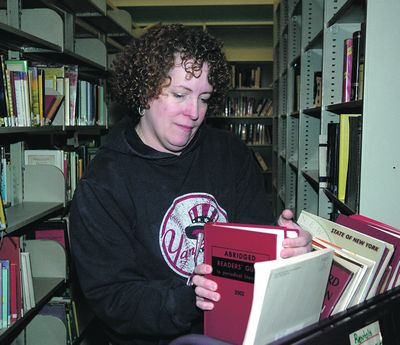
203	282
294	251
206	295
302	240
203	269
286	219
287	214
203	304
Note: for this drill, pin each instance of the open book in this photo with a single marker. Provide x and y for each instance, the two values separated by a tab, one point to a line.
232	250
288	295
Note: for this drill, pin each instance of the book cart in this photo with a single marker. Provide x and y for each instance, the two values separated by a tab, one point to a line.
381	310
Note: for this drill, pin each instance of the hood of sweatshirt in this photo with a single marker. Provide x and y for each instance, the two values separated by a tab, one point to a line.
124	139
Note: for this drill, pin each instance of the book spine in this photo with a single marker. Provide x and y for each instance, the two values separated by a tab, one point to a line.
347	69
355	69
11	98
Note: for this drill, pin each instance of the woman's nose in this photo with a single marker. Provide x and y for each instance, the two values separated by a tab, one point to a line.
192	109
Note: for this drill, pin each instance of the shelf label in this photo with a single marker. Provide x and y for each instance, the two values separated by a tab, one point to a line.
369	335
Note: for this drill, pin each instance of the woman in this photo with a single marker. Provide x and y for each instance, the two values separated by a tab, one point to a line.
158	176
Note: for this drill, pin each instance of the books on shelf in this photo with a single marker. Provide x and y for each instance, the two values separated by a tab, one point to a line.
248	106
10	250
245	76
232	249
63	308
251	133
40	95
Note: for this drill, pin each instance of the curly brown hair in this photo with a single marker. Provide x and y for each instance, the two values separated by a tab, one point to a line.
141	70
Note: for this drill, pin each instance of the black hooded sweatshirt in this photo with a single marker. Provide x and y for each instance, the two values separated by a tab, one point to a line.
130	224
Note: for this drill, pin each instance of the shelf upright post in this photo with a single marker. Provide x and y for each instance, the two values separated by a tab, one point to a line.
14	19
309	126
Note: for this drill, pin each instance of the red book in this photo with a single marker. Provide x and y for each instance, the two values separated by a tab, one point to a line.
394	272
339	278
13	293
375	223
52	234
10	250
232	250
379	233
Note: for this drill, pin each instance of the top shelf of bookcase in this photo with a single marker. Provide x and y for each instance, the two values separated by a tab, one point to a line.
18	40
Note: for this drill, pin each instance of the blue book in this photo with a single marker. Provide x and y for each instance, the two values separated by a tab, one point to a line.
5	294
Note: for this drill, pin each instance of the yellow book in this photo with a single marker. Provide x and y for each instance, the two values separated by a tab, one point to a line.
343	154
3	218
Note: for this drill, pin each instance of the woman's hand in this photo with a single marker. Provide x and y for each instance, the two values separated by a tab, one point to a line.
205	288
294	246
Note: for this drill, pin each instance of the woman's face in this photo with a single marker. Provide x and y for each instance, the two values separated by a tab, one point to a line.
174	117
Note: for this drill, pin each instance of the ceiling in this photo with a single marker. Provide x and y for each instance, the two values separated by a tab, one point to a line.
245	27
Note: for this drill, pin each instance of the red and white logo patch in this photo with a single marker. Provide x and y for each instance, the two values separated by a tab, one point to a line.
180	226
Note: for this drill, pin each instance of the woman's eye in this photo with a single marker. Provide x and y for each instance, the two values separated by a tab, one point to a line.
178	95
205	100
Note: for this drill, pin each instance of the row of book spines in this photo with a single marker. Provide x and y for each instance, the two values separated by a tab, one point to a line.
32	96
353	66
353	71
248	106
17	294
245	77
252	134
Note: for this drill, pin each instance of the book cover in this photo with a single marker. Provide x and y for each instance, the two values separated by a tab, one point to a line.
17	168
5	292
71	71
53	110
3	217
261	161
318	89
232	250
3	98
332	163
339	279
45	157
355	69
347	69
344	142
34	86
357	266
361	63
352	195
302	280
29	301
